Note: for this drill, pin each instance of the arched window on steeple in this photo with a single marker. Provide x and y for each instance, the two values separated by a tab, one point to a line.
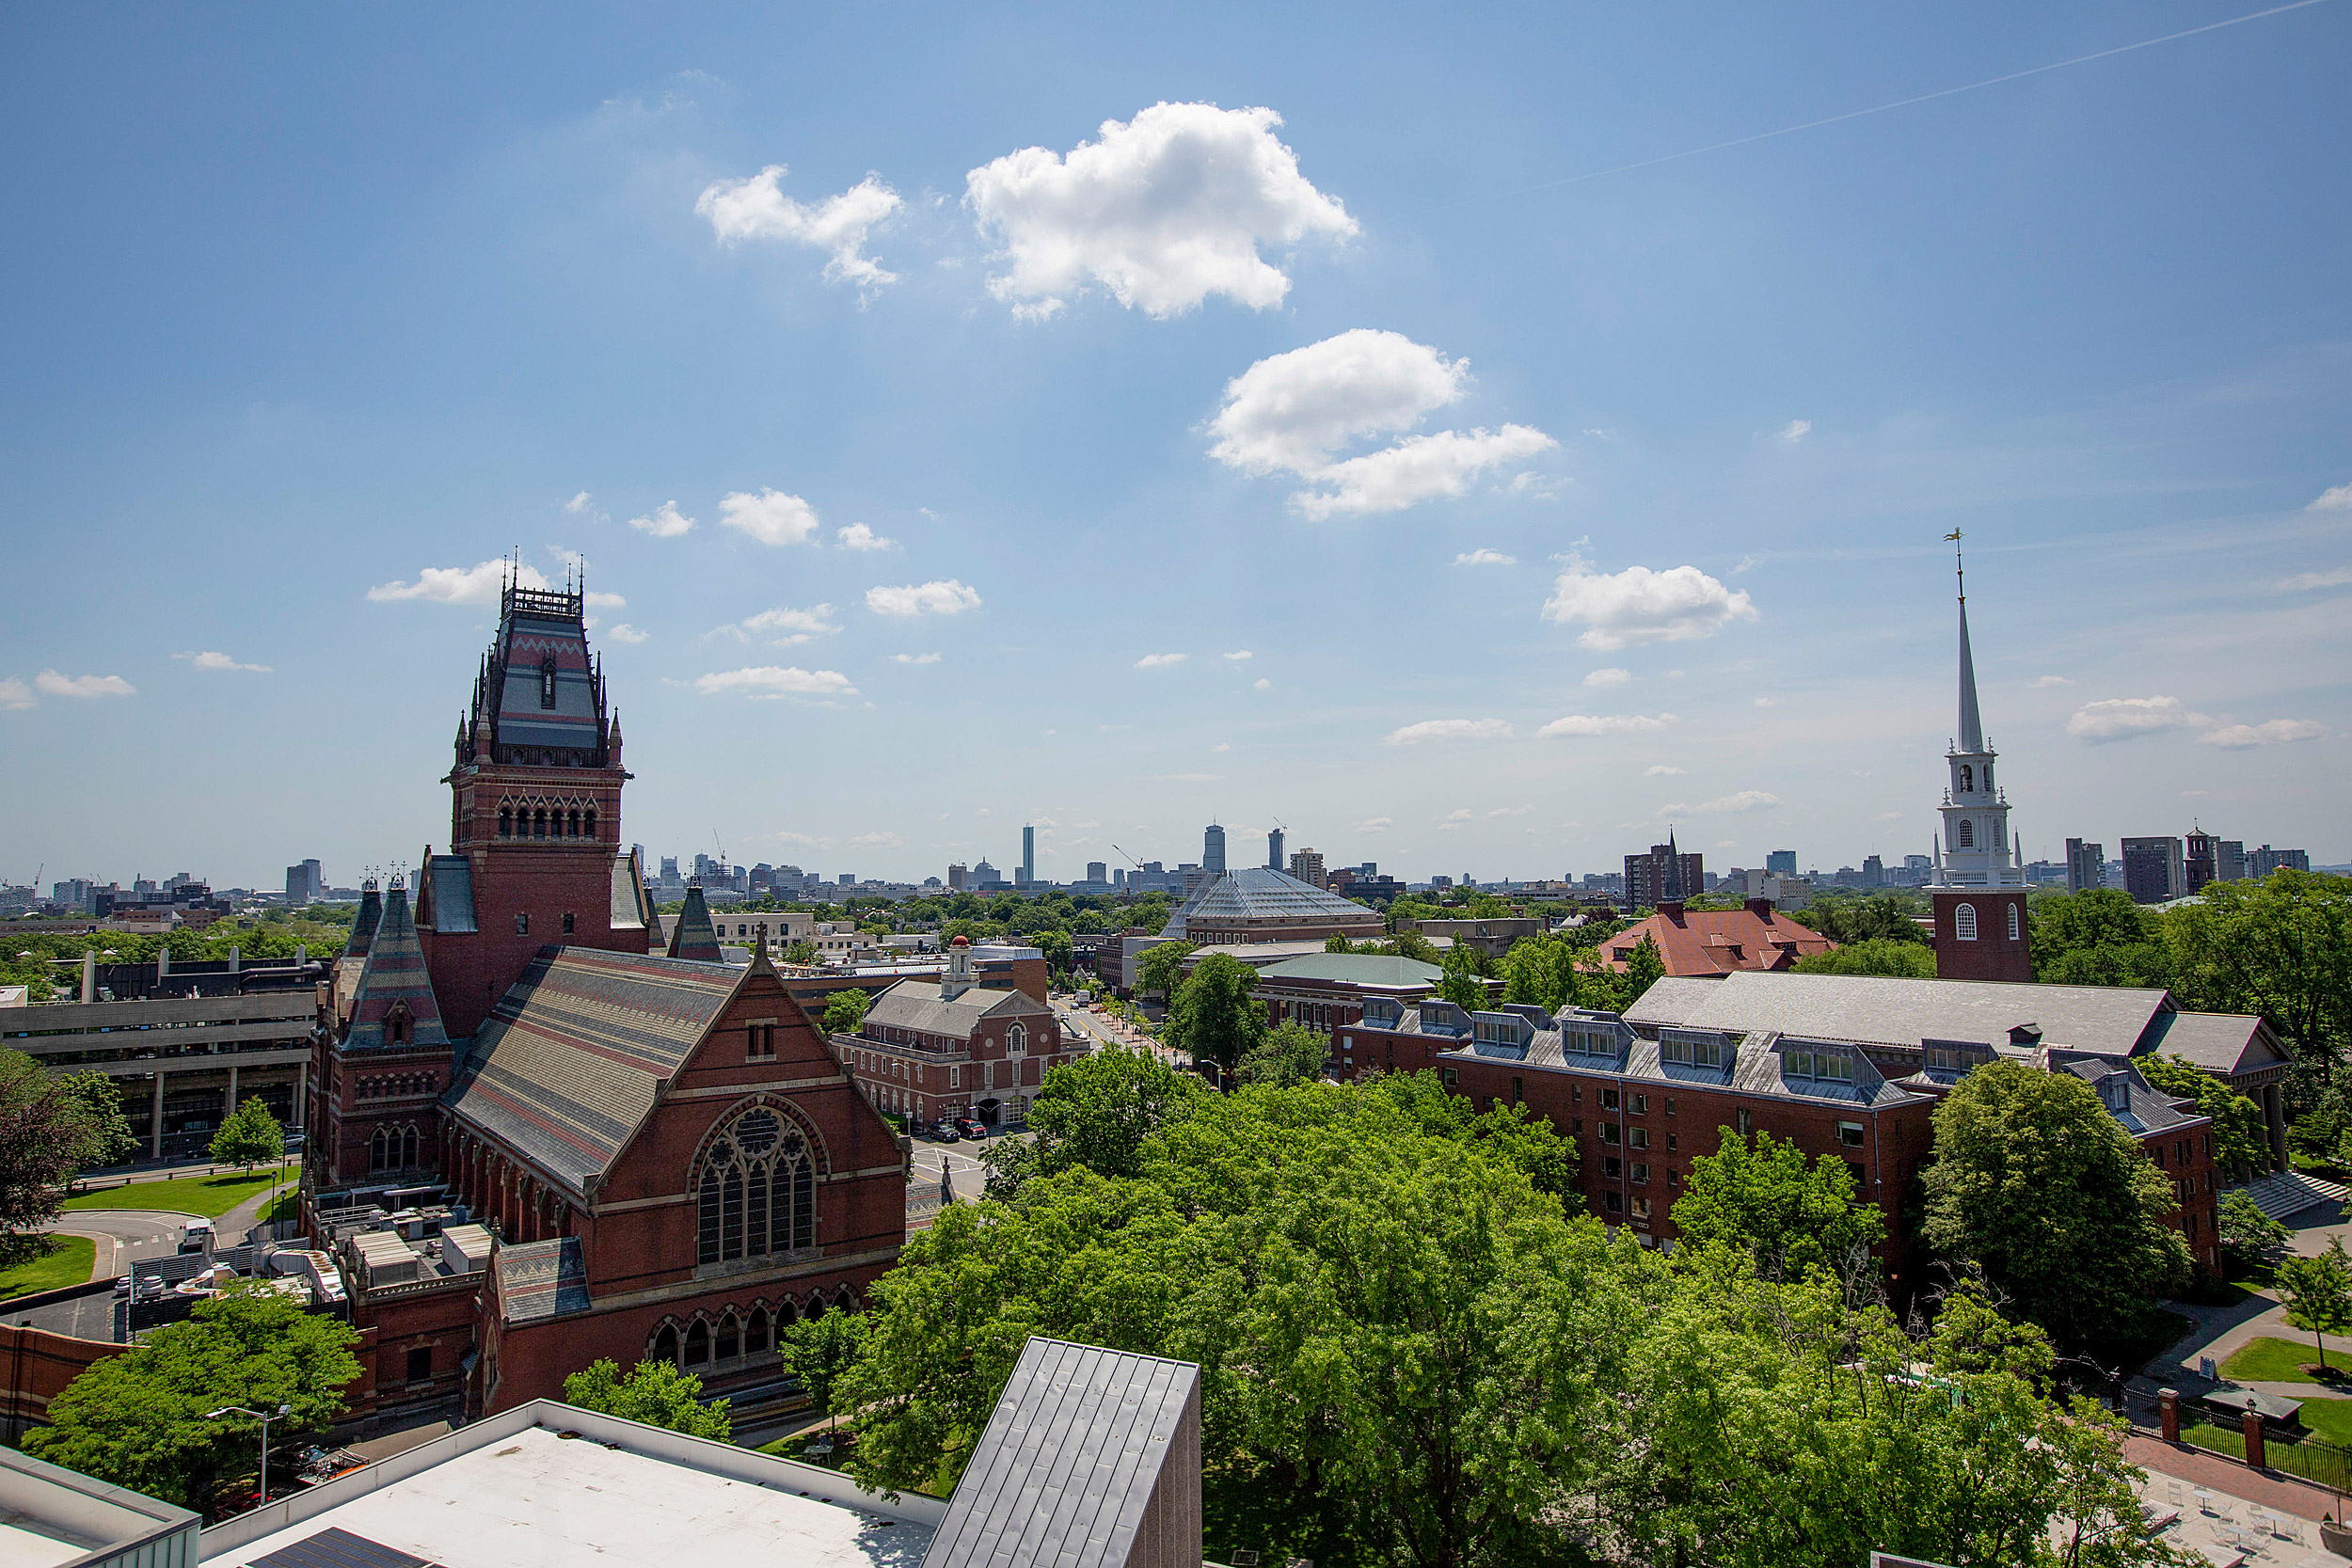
1967	779
1965	835
1964	921
546	681
2013	927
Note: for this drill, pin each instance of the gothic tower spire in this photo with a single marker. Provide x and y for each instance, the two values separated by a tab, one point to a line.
1979	890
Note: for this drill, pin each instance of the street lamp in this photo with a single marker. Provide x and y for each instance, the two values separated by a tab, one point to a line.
266	1419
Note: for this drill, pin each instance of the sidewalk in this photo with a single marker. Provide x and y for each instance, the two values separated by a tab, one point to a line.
2272	1489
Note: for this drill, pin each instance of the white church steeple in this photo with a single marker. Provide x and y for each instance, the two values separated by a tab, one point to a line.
1977	849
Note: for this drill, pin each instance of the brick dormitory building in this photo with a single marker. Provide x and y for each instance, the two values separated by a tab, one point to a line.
658	1155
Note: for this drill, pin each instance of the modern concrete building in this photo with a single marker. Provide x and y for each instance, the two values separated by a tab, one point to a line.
2155	870
1028	855
2263	862
1781	862
1306	865
2086	865
1274	861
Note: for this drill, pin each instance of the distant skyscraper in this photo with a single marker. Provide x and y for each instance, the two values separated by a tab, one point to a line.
1781	862
1307	865
1098	871
2086	865
304	882
1028	856
958	878
2263	862
1665	875
2229	860
1213	850
2153	870
1873	871
1274	861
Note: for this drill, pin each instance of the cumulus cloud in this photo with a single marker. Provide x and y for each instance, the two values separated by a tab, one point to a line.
667	522
1294	412
1637	605
1660	770
15	694
1240	653
2302	582
1486	557
2121	718
623	632
2336	499
786	627
769	680
857	536
758	208
1263	684
219	661
1163	211
580	505
1741	800
1511	811
460	584
1609	677
881	839
1450	729
1793	431
2041	681
54	684
772	517
2276	732
1158	661
915	658
1372	825
1610	723
941	597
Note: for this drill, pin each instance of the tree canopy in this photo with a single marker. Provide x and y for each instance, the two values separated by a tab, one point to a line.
1213	1014
250	1136
2097	937
49	1130
1285	1055
1792	1220
655	1393
1098	1112
1162	966
2241	1139
1875	955
2281	947
845	1009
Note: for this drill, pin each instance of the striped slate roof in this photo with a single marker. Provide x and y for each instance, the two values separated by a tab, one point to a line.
395	974
538	1280
693	936
566	1068
363	928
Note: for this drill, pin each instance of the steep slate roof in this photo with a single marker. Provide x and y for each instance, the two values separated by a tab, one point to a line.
363	928
1260	894
538	1280
918	1004
2226	1044
445	894
632	906
394	973
535	627
1718	941
693	936
1082	1444
565	1068
1357	969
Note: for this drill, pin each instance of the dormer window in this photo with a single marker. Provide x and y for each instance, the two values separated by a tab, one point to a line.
1827	1067
546	681
2116	1090
1685	1049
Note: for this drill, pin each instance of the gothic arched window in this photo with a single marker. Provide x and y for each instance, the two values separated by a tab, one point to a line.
546	681
756	1190
589	821
1016	1041
2012	923
665	1347
730	1339
506	821
698	1343
756	1332
1967	834
1964	921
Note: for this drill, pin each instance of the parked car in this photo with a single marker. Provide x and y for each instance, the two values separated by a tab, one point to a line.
944	1131
971	1127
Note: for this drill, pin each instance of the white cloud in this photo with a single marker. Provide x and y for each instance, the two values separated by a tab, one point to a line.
15	694
2336	499
219	661
667	522
1511	811
580	505
772	517
2121	718
2039	682
768	680
1660	770
1239	653
1222	746
1292	412
881	840
1544	488
857	536
460	584
1372	825
757	208
1158	661
2276	732
915	658
1610	723
1793	431
1450	729
1637	605
1263	684
1460	813
2306	580
1741	800
54	684
1486	557
1765	702
786	627
1163	211
601	600
1609	677
942	597
623	632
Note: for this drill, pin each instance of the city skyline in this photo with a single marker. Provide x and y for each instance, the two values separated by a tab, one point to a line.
1501	502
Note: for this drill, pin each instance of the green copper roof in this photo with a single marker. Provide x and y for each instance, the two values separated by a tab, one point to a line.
1356	969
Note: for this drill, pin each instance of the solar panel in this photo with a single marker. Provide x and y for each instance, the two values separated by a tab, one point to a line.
338	1548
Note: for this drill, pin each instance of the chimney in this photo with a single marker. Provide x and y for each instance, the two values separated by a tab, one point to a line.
1671	909
1762	908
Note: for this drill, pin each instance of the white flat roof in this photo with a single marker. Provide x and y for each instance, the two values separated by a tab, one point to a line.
652	1500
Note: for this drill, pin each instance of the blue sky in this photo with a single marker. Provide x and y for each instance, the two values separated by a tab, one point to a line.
1549	511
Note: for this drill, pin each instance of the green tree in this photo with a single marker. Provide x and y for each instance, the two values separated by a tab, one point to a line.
2281	947
1213	1015
250	1136
1874	955
1789	1218
1459	983
845	1009
45	1136
1286	1054
2097	937
1057	946
657	1393
1542	971
1096	1112
141	1419
819	1349
2318	1294
2241	1139
1409	944
2249	1236
106	1128
801	952
1162	967
2036	1181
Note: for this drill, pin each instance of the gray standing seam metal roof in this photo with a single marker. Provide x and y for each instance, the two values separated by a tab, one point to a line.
915	1004
1757	1064
2146	1109
1878	1010
453	892
1066	1467
1356	969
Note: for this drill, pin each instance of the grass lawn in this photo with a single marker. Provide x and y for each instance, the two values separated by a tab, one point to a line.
67	1263
2274	1360
2327	1465
209	1196
285	1206
2331	1420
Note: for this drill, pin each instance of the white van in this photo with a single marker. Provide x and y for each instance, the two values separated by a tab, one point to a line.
197	1237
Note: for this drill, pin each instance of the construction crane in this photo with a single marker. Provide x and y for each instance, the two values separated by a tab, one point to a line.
1129	896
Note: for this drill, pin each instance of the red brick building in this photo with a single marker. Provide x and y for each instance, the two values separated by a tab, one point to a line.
952	1047
1711	943
670	1160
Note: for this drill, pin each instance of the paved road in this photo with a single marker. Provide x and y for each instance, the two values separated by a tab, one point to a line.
123	1236
961	1162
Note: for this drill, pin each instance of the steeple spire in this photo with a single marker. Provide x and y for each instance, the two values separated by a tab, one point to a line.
1971	724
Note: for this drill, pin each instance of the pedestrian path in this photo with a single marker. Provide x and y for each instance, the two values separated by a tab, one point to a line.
2291	1192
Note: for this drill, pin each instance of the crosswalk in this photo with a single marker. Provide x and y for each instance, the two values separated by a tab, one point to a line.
2291	1192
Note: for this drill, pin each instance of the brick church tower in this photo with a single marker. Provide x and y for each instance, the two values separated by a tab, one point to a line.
1980	887
535	858
377	1111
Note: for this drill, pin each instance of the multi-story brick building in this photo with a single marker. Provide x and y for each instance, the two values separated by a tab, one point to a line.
1717	941
952	1047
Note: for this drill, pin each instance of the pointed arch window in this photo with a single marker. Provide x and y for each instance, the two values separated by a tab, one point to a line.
756	1332
698	1343
506	822
1964	921
546	681
664	1346
1965	835
756	1190
2013	923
